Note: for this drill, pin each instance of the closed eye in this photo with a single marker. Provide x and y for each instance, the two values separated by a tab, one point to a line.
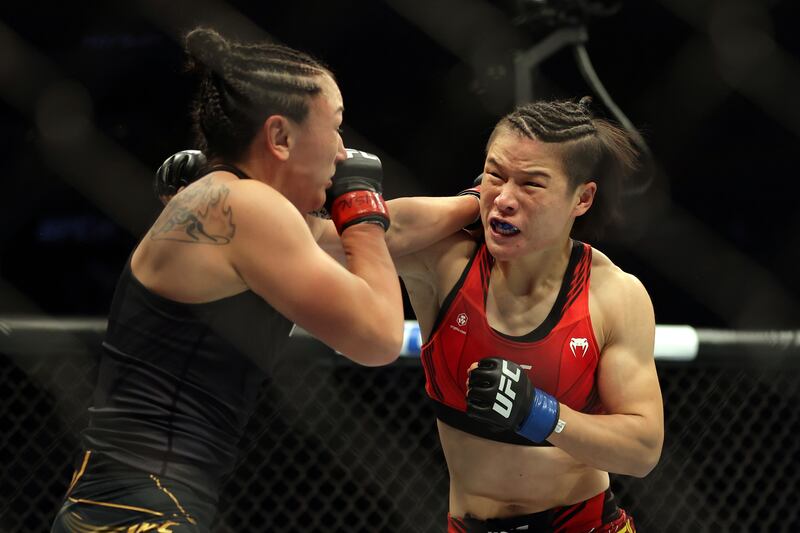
495	176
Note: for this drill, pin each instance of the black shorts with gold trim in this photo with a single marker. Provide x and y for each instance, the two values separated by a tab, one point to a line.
107	496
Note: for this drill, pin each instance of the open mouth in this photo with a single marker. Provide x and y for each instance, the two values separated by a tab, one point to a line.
503	228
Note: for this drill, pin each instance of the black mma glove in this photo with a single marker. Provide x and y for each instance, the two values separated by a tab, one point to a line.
178	170
355	195
475	191
500	394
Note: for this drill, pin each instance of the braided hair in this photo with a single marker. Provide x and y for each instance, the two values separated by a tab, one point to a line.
592	149
241	84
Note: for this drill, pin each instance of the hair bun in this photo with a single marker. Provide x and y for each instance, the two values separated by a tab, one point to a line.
207	47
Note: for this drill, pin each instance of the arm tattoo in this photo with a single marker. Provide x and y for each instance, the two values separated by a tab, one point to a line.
198	215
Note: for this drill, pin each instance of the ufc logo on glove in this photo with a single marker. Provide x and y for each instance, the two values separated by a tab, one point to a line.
505	394
498	382
351	153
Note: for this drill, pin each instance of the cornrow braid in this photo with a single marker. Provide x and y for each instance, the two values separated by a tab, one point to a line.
557	121
242	84
592	149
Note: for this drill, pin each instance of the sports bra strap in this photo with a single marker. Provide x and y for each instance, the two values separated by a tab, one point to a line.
241	174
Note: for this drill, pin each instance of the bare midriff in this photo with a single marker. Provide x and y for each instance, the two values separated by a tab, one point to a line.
490	479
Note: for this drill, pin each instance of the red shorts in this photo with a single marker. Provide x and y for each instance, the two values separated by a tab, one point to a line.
599	514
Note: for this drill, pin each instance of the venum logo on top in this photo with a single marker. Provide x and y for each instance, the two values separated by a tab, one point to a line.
579	347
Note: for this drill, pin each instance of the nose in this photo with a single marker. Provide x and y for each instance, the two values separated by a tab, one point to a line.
341	153
506	201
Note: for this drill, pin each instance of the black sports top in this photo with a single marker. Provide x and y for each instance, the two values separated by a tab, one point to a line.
178	382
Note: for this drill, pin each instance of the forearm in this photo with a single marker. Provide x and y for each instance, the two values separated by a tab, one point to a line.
418	222
620	443
379	300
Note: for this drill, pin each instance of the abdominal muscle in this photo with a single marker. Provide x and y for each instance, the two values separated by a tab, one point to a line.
491	479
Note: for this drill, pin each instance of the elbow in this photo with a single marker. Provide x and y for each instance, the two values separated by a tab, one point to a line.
647	459
377	331
376	360
384	335
643	468
388	349
382	348
376	357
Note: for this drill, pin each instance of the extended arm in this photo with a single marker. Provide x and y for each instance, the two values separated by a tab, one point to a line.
421	221
417	223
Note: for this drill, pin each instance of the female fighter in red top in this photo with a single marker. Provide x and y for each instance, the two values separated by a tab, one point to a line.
539	350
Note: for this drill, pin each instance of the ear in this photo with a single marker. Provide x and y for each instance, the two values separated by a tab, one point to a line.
278	136
584	197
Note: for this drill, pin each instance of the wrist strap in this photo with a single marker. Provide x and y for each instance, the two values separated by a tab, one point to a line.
475	192
542	418
472	191
359	206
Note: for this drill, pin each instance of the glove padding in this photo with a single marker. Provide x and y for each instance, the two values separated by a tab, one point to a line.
500	394
355	195
475	191
178	170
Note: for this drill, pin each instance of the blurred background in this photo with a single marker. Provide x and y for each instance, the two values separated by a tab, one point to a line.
93	98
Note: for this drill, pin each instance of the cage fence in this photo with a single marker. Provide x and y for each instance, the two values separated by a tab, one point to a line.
333	446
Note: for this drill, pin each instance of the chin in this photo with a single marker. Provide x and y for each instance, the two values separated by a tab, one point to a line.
503	252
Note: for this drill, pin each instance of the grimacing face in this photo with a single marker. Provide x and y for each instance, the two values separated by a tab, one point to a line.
527	204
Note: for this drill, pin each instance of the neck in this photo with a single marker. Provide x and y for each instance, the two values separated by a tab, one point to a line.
527	275
254	168
271	172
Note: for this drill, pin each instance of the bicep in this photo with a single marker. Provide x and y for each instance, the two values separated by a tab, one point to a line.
277	257
419	222
627	378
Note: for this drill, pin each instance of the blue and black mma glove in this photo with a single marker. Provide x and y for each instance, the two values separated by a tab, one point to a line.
178	170
355	196
475	191
501	395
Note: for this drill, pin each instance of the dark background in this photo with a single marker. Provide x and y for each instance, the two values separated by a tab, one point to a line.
93	99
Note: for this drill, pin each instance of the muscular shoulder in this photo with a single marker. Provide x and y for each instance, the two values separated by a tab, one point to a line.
611	281
194	249
437	260
619	301
261	210
212	209
255	193
198	214
430	274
